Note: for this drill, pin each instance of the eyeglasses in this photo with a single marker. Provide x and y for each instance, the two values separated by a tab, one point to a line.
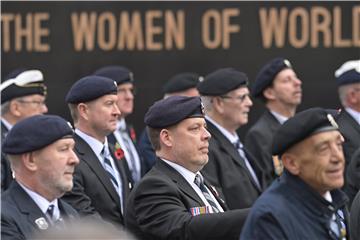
241	98
36	103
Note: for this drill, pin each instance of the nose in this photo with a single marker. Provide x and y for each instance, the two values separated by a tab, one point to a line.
73	158
206	134
44	108
297	81
116	110
248	101
337	153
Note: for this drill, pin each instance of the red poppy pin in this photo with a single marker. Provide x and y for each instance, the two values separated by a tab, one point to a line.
119	153
133	135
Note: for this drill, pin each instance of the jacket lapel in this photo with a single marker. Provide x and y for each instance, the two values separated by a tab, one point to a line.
230	149
89	157
28	207
179	180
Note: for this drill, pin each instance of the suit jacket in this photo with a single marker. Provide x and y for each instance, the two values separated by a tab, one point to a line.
352	185
258	142
130	130
159	208
93	193
20	214
226	170
6	174
355	218
350	129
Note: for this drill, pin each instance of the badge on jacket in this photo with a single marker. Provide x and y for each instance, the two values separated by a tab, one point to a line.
42	223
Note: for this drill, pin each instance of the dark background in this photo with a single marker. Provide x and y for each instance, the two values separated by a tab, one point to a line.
62	65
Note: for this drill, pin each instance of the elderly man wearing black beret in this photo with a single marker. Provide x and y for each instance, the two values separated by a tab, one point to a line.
305	201
101	184
278	86
40	149
173	201
22	95
231	167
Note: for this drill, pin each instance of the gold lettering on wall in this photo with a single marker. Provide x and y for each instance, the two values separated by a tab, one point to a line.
6	19
321	20
300	14
152	30
356	26
106	37
83	30
273	26
130	32
175	27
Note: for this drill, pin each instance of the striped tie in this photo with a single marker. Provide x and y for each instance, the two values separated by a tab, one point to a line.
199	181
50	213
108	167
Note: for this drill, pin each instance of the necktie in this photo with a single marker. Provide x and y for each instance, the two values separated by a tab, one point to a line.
135	172
50	212
109	168
337	225
240	147
199	181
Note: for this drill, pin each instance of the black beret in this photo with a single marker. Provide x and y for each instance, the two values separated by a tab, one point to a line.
89	88
181	82
301	126
267	74
119	74
171	110
15	72
34	133
25	83
348	73
222	81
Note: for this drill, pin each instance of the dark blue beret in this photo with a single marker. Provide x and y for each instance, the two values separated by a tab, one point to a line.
301	126
222	81
171	110
267	74
119	74
181	82
23	84
34	133
348	73
15	72
89	88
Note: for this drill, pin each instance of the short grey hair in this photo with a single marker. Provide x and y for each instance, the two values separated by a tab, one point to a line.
207	102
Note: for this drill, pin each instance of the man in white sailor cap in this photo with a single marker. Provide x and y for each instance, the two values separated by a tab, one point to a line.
22	95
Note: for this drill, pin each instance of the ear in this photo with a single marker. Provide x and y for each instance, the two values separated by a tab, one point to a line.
291	163
14	108
352	98
29	162
218	104
165	137
269	93
83	110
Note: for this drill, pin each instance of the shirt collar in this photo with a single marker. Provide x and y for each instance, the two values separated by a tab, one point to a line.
231	137
6	123
121	124
187	174
354	114
94	144
42	202
279	117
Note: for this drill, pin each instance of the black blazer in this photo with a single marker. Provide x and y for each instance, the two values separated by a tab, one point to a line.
258	142
226	170
93	193
6	174
355	218
350	129
159	208
19	214
352	185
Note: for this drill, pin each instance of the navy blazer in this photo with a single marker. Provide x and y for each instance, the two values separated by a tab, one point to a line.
21	217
